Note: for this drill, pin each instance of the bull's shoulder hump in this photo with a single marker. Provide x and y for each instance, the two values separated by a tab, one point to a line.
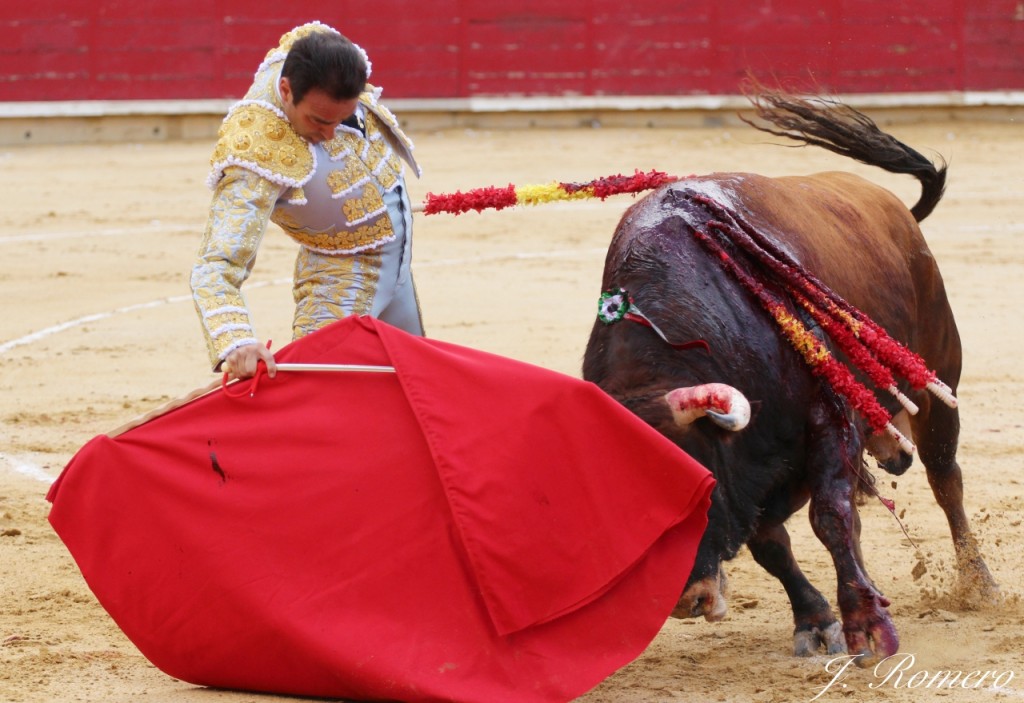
722	178
719	186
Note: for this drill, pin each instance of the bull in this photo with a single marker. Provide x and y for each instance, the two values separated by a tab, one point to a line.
783	302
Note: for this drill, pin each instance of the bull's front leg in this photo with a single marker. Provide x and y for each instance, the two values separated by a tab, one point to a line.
814	624
867	625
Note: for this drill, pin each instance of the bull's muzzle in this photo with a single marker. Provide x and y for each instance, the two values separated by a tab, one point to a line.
722	404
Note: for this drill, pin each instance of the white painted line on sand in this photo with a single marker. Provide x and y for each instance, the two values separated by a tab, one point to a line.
85	233
27	468
85	319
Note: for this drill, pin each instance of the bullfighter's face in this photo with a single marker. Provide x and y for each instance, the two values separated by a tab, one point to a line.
317	114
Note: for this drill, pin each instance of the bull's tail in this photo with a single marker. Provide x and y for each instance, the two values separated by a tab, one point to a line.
837	127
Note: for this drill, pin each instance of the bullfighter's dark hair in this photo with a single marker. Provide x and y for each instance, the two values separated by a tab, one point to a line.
328	62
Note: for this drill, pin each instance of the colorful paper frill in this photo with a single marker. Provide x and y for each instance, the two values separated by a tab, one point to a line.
498	198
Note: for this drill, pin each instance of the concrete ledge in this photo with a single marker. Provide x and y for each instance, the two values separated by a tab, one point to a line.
162	120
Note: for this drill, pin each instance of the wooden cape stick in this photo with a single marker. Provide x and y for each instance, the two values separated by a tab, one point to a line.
335	367
200	392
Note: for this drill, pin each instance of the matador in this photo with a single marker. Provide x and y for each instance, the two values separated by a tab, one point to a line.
288	153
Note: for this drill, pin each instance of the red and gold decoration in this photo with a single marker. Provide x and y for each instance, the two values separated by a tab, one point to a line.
869	348
499	198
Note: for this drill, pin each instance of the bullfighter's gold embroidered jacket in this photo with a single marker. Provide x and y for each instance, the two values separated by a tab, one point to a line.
328	197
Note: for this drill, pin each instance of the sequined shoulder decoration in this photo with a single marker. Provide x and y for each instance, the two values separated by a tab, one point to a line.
279	52
256	137
371	101
371	98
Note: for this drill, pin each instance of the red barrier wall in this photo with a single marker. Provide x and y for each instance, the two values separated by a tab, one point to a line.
121	49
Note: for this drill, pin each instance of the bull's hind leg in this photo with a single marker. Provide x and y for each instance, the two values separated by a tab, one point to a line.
815	624
936	434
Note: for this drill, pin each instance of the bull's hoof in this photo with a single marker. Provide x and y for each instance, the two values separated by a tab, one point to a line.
873	643
806	643
866	659
706	597
975	588
713	609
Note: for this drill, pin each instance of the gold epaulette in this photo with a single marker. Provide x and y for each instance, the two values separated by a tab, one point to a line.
255	137
283	46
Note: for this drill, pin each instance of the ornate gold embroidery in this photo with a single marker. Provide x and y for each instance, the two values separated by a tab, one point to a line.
377	152
347	177
341	144
385	115
286	220
277	131
352	280
228	327
362	237
293	36
387	179
369	266
237	221
362	158
255	136
264	86
387	172
368	204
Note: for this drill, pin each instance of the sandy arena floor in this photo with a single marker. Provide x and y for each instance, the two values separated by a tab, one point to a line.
96	327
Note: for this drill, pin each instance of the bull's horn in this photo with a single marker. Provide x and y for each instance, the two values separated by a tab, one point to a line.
723	405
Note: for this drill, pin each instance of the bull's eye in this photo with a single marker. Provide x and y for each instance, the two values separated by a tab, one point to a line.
613	306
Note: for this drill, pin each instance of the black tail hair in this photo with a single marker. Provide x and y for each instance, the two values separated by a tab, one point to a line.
831	125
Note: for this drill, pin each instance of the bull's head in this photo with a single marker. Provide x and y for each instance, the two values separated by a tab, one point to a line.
887	450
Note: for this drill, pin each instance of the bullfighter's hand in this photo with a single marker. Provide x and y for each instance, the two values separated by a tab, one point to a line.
242	362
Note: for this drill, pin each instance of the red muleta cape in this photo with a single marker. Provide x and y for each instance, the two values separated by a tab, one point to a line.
469	528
